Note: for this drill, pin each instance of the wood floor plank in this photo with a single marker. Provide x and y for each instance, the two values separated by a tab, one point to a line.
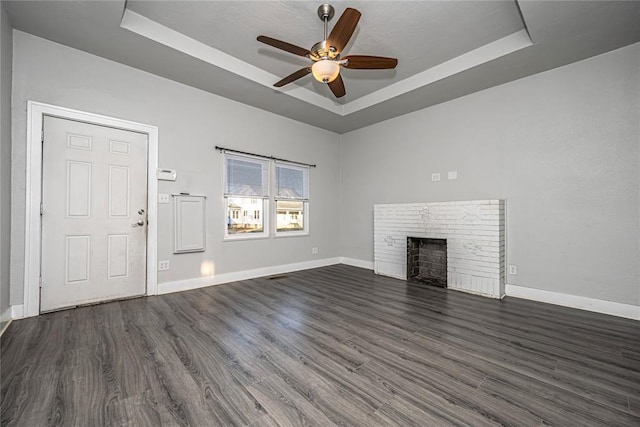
285	405
498	361
336	345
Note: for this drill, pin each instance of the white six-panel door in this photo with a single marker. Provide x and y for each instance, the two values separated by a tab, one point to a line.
94	196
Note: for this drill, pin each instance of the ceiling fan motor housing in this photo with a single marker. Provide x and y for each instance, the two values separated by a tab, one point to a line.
322	50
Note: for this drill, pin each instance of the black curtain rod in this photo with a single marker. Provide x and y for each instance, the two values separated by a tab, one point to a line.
263	157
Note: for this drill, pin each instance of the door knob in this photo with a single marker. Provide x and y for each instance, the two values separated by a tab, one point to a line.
139	223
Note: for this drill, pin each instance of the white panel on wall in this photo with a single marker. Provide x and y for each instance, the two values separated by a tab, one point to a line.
119	191
118	256
78	258
80	142
78	189
119	147
189	223
475	235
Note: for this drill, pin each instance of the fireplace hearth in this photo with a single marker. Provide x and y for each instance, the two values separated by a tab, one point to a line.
427	261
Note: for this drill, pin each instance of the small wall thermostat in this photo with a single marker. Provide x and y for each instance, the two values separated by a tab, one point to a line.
166	174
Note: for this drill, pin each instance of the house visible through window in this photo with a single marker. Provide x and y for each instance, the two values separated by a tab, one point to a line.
248	197
292	194
247	190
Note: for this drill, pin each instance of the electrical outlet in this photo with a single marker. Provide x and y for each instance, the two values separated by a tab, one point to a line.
163	199
314	251
513	269
163	265
435	177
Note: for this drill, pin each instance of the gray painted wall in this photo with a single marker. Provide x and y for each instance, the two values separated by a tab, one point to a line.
6	42
562	147
191	122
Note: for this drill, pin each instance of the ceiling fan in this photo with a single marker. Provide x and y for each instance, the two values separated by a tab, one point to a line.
326	54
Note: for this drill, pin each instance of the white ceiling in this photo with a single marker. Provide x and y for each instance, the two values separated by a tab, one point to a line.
445	49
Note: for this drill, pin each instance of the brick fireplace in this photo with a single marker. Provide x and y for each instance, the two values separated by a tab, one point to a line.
474	232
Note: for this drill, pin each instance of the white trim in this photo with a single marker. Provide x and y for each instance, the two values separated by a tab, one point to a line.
574	301
166	36
35	116
201	282
482	55
357	263
17	311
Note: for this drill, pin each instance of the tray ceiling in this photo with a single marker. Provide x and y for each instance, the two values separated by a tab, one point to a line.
445	49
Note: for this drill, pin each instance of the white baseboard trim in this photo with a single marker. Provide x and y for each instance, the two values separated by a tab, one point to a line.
357	263
583	303
201	282
17	311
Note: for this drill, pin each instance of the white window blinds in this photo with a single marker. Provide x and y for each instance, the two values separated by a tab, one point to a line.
246	176
292	182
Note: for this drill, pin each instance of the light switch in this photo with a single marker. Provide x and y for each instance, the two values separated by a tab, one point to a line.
453	175
163	198
435	177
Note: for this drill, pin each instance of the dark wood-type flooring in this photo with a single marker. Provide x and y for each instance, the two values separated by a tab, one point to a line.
334	345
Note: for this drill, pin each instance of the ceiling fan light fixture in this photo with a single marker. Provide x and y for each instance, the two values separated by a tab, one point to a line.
326	54
325	70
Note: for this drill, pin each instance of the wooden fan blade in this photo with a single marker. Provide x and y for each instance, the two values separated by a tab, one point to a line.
337	87
291	48
343	29
366	62
293	77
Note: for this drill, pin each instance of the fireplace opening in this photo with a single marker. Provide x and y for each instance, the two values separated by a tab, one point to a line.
427	261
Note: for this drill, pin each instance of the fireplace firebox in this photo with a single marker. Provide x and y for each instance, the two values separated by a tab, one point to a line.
427	261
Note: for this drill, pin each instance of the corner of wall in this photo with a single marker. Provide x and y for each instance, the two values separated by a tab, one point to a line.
6	85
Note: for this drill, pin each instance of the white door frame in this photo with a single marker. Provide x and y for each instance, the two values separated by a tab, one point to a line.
32	235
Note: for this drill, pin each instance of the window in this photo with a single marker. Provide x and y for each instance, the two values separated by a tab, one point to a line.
246	189
292	194
248	196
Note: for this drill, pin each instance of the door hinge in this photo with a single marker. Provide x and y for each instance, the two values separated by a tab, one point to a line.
42	136
40	281
41	209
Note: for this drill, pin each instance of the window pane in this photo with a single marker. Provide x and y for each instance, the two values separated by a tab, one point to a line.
246	177
292	182
244	215
290	216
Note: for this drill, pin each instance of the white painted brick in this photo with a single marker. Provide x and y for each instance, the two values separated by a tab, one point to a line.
475	240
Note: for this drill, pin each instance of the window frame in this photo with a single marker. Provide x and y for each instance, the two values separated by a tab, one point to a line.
263	199
269	215
304	198
305	216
